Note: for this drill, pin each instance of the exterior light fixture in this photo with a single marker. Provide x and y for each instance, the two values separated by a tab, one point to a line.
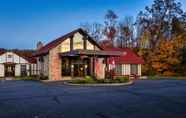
86	66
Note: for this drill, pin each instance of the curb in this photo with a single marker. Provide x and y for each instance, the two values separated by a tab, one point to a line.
97	85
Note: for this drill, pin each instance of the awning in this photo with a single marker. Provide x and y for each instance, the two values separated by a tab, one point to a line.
99	53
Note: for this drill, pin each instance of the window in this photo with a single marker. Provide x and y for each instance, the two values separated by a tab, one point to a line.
65	46
23	70
66	67
118	69
78	42
134	69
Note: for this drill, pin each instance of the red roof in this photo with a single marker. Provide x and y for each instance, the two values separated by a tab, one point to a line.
27	55
44	50
128	57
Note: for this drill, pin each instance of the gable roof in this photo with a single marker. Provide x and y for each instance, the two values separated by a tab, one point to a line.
25	54
128	57
45	50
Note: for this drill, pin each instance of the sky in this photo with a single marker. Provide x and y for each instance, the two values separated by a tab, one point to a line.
25	22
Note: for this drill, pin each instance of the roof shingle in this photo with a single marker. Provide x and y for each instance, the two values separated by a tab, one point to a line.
128	57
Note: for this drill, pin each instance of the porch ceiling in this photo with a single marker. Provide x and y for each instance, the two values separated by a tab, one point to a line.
92	53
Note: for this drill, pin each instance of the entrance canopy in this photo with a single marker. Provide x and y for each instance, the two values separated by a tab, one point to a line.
98	53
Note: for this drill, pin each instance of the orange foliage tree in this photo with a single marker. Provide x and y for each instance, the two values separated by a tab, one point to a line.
165	58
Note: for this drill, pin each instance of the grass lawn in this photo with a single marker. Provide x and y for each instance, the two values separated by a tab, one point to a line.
170	78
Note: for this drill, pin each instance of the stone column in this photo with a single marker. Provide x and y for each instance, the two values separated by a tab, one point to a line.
54	64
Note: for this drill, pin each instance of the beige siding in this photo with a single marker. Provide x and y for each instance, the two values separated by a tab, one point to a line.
33	69
139	69
2	70
14	58
28	69
11	57
43	66
126	69
17	70
46	65
90	46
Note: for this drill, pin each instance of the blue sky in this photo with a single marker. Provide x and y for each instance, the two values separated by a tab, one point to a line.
25	22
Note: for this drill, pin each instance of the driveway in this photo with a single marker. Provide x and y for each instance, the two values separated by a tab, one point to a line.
144	99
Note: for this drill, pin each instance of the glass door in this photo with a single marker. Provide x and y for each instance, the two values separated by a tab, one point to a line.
81	68
78	70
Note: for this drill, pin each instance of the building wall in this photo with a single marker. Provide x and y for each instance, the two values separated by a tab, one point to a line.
2	70
43	65
139	69
46	65
33	69
17	70
13	58
28	69
54	64
126	69
10	57
100	68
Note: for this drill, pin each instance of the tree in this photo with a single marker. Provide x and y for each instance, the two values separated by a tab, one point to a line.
165	58
158	19
95	30
126	28
110	29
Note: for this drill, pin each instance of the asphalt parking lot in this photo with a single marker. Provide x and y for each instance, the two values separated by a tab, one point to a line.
144	99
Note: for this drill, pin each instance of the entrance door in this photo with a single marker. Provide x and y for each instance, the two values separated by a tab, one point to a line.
79	70
9	70
81	67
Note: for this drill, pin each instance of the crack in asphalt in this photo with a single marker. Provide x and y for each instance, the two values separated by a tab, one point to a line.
56	99
102	115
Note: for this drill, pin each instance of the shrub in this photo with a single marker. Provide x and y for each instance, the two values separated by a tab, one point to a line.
25	78
42	77
90	80
122	79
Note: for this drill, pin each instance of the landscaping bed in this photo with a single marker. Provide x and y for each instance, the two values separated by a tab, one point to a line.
26	78
100	82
